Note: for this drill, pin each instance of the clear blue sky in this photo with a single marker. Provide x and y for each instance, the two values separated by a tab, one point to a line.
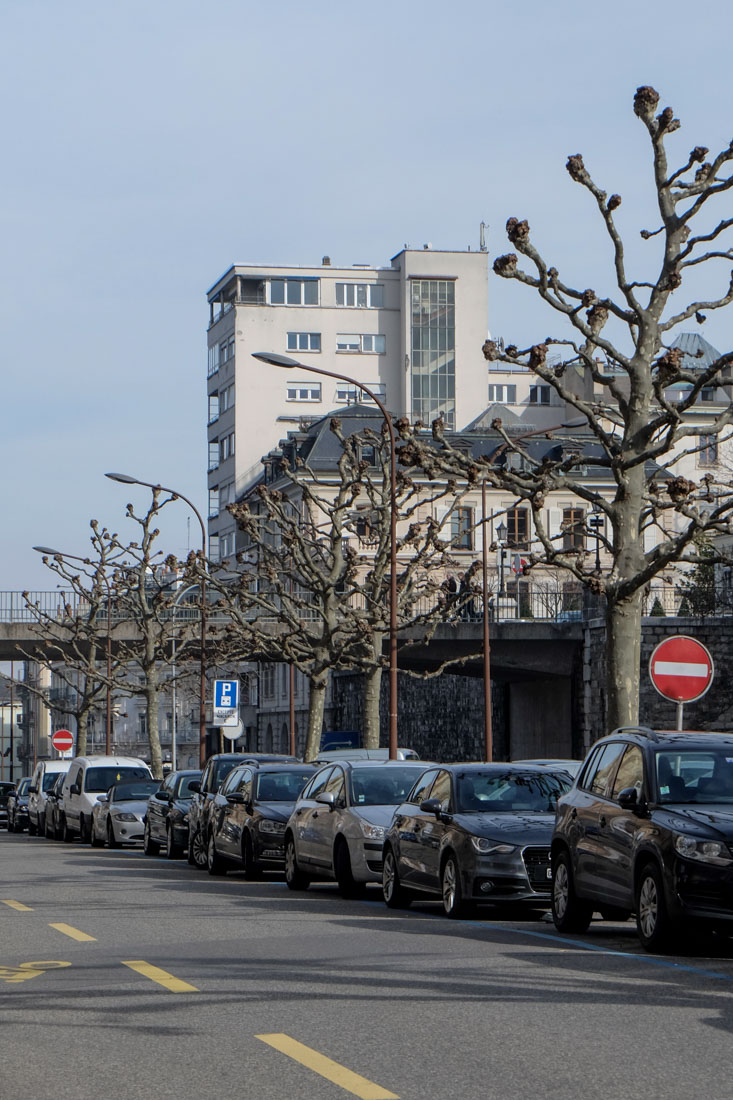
149	145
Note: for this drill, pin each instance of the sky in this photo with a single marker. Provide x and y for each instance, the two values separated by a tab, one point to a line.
148	145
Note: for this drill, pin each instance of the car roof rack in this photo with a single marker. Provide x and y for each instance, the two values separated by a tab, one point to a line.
642	731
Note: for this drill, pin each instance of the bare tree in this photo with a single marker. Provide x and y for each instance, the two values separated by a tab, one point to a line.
619	347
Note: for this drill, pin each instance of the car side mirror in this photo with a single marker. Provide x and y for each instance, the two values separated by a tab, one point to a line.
75	789
194	785
102	797
327	798
431	806
236	799
163	796
33	790
628	799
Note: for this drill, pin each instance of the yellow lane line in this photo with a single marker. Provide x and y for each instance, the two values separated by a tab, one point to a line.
73	933
332	1071
162	977
18	905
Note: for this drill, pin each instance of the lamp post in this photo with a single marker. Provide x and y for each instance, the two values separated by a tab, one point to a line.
596	522
488	733
501	534
286	363
127	480
100	573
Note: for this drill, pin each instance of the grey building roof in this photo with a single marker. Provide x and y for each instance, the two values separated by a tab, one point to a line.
698	353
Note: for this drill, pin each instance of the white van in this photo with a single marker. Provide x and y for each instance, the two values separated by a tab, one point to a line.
44	776
87	778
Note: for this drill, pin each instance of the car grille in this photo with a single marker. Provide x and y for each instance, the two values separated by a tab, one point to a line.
537	863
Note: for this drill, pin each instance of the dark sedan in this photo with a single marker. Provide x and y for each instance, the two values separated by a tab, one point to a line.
166	818
249	815
18	806
474	832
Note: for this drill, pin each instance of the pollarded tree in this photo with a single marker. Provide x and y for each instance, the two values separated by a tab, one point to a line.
644	423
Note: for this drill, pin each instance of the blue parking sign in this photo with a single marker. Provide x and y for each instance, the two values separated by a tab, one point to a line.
226	703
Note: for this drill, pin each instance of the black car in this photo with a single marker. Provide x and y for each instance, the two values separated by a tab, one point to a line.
52	823
474	833
216	770
166	818
647	829
6	789
17	808
249	814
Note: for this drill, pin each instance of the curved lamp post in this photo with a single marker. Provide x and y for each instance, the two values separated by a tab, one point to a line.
127	480
286	363
87	561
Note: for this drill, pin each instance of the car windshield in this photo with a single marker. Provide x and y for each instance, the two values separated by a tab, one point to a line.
184	785
101	779
133	792
49	779
695	775
387	785
23	786
281	786
221	771
506	792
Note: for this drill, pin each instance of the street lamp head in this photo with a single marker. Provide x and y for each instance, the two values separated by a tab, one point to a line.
276	360
124	478
48	550
501	532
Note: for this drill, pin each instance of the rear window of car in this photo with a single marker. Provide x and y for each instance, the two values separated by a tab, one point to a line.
99	780
132	792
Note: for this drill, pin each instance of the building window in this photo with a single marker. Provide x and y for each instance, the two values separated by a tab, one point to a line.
348	395
707	393
304	391
214	502
304	341
433	355
226	447
502	395
226	545
226	399
226	495
226	350
573	529
214	547
462	529
375	344
268	681
213	359
708	450
213	454
213	407
360	295
517	522
539	395
294	292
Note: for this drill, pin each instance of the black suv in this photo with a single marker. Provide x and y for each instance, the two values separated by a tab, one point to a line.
647	828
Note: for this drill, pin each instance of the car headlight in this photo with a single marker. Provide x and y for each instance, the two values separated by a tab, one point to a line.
485	846
267	826
124	817
704	851
372	832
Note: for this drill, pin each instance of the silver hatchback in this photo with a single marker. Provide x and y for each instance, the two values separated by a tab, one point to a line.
338	824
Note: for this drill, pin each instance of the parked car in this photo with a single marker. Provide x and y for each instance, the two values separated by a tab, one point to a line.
18	806
470	833
572	767
53	827
166	819
117	816
249	815
6	789
43	778
330	755
88	778
337	826
648	829
216	770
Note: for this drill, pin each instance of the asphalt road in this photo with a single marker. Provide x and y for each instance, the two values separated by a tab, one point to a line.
190	986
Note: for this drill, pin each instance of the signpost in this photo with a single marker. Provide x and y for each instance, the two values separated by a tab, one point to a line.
681	669
62	741
226	703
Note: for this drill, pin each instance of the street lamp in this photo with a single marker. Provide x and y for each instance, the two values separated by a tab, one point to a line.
127	480
501	534
100	573
596	521
488	733
286	363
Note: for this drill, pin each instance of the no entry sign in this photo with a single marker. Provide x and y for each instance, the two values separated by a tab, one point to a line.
681	669
62	740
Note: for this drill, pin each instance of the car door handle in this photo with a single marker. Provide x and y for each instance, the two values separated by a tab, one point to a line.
602	822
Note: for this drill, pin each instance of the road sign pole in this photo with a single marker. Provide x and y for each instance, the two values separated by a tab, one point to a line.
680	708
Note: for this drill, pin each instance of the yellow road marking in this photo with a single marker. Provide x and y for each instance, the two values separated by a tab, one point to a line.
332	1071
25	971
162	977
73	933
18	905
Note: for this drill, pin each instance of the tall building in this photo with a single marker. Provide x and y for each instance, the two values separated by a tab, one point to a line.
412	332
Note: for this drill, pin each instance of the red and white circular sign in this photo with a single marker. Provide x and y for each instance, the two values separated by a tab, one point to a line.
62	740
681	669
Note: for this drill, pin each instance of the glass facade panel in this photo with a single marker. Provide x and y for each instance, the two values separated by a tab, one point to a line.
433	340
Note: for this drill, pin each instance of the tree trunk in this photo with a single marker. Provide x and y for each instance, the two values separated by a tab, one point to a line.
81	733
152	698
316	708
371	685
623	641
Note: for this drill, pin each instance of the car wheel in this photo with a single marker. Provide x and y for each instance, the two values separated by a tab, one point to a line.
569	912
454	904
150	846
214	863
32	830
66	834
656	929
251	867
348	885
93	838
172	850
112	842
198	850
294	877
395	895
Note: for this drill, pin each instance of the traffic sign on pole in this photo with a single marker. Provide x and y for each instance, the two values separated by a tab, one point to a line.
62	740
681	669
226	703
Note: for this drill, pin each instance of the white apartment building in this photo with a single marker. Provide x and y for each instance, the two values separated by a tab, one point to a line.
412	332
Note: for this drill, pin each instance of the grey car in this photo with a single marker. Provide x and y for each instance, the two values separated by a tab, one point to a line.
338	824
118	816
